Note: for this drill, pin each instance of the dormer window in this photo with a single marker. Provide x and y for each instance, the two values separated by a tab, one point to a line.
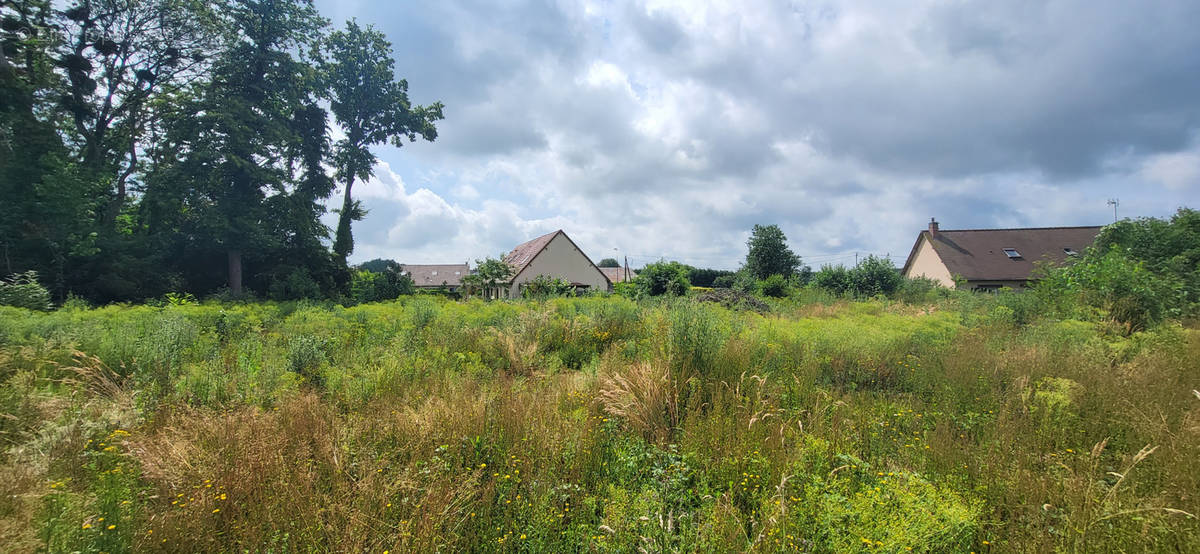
1012	253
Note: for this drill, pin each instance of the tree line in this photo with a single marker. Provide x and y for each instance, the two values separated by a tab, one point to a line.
149	146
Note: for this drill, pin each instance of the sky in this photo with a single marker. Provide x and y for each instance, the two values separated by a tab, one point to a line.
668	129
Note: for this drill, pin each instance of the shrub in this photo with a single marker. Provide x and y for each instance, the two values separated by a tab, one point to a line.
874	276
545	286
834	278
1127	292
774	286
23	291
377	286
663	278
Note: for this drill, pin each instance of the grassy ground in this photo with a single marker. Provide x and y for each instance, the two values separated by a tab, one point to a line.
596	425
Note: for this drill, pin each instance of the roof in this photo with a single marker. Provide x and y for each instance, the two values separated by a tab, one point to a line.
524	253
435	275
979	254
617	274
527	251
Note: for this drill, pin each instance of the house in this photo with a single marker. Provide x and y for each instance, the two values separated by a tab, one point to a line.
988	259
434	276
617	274
554	255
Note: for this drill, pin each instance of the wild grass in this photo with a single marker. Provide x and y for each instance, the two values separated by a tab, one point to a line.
959	424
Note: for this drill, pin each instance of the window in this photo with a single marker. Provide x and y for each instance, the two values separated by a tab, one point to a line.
1012	253
434	273
1070	251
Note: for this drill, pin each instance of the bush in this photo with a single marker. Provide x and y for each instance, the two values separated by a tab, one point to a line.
1122	288
23	291
875	276
545	286
661	278
723	281
377	286
834	278
774	286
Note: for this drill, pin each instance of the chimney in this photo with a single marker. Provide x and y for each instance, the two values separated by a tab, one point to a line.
933	227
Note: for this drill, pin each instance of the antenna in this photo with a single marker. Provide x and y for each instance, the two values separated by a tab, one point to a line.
1114	202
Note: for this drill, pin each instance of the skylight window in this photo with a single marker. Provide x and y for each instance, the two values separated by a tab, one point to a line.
1012	253
1070	251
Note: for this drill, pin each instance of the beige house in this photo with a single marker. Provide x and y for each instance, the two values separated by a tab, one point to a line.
988	259
554	255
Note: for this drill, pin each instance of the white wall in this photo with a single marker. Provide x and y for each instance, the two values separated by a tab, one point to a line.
560	258
928	264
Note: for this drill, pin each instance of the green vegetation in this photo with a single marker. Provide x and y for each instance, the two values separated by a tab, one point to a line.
596	424
662	278
180	146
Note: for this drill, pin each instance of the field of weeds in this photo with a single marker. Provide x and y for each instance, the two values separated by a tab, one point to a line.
594	425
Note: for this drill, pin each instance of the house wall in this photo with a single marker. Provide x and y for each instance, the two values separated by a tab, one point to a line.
560	258
928	264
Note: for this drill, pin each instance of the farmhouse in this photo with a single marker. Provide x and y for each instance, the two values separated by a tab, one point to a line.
988	259
554	255
435	276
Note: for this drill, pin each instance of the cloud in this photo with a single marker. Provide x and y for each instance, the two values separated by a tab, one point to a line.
669	128
1178	170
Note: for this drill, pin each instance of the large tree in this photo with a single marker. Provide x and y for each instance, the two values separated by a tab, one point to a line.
242	138
769	253
372	107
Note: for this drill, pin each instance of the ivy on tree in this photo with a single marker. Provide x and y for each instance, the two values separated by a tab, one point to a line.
372	107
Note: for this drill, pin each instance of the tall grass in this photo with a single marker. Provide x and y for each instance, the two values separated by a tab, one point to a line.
965	423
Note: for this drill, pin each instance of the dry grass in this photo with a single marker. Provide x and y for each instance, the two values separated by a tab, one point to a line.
645	396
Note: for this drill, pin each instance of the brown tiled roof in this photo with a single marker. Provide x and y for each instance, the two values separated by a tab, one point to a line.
527	251
617	274
435	275
978	254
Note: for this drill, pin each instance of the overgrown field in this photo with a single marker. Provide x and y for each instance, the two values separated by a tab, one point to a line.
595	425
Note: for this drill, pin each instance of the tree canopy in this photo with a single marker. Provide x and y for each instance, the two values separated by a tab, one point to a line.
769	253
180	145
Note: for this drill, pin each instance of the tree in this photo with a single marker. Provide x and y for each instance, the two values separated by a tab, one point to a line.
769	253
372	107
609	262
239	139
489	278
1169	248
119	56
701	277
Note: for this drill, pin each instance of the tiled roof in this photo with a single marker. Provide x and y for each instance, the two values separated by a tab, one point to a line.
617	274
435	275
979	254
526	251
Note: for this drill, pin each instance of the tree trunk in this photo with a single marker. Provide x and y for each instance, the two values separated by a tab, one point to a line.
235	271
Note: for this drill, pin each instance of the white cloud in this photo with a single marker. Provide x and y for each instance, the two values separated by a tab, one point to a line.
672	127
1177	170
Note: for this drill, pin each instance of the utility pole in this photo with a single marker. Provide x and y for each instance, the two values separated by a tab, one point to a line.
626	268
1114	202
